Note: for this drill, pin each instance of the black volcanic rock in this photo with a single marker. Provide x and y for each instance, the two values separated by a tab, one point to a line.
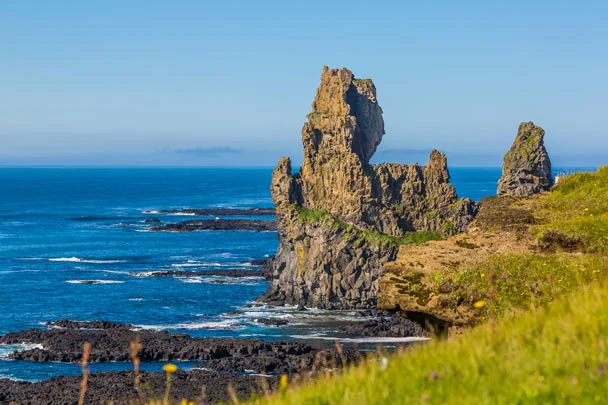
202	273
218	225
384	324
272	321
281	364
221	358
110	342
119	388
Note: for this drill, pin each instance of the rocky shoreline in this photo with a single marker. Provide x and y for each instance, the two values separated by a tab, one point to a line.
62	342
223	361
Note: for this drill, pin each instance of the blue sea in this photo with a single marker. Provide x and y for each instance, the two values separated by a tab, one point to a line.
63	228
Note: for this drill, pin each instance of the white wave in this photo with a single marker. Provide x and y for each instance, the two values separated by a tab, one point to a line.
111	271
191	280
264	314
136	299
12	378
145	273
74	259
410	339
192	263
151	212
181	213
229	324
5	349
220	280
94	282
252	373
311	315
225	255
19	271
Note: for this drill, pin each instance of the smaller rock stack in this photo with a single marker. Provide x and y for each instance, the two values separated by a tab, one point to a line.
526	169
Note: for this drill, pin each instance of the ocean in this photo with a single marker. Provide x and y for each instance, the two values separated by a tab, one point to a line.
73	239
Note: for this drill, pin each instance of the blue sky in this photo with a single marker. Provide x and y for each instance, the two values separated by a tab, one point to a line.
230	83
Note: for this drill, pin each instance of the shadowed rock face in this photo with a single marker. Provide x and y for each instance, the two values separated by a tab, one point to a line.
331	213
527	168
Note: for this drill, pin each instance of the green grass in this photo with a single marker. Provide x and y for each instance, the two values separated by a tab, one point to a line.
577	211
308	215
507	282
556	354
369	81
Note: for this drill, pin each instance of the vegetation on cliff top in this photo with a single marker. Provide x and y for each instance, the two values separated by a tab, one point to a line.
575	214
572	224
511	281
311	216
572	235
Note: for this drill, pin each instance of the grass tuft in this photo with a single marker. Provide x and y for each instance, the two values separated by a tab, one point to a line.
310	216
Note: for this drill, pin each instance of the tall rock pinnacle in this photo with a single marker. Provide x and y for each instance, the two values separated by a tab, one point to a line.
526	169
335	216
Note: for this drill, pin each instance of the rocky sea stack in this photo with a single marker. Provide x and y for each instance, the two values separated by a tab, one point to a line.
340	219
527	168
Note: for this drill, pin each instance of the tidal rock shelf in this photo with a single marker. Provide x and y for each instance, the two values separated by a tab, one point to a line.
119	388
217	211
204	273
218	225
63	341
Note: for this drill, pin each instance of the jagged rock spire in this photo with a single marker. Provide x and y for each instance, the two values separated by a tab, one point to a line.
333	213
526	169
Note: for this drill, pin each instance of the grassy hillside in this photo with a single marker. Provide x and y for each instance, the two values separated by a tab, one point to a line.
555	354
575	214
571	235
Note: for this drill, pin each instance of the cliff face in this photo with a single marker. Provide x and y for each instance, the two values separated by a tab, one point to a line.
340	219
527	168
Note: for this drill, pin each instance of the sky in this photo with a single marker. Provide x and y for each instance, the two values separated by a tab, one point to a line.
230	83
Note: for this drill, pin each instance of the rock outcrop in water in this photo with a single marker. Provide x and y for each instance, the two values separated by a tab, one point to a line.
340	219
217	225
527	168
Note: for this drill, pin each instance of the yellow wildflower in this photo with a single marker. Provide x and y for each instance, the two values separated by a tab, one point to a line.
479	304
283	382
169	368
